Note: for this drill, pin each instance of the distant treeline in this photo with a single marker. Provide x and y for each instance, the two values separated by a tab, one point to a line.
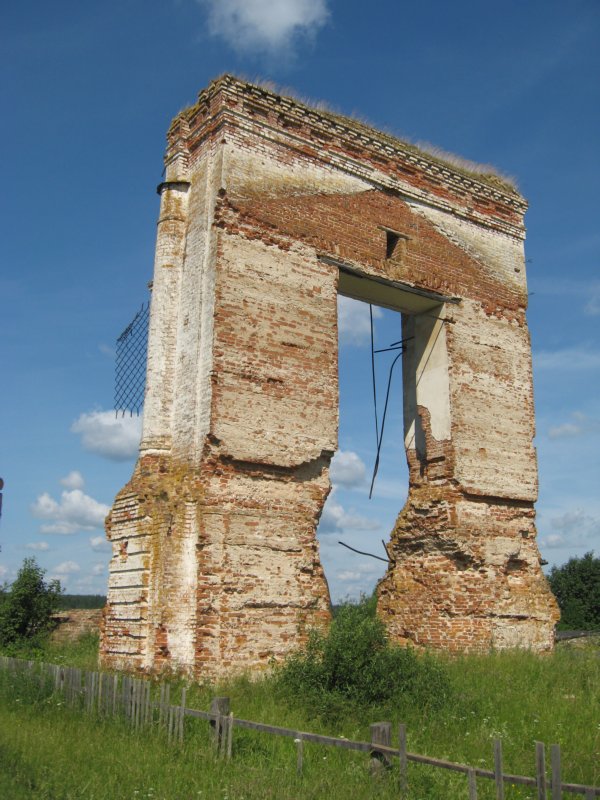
82	601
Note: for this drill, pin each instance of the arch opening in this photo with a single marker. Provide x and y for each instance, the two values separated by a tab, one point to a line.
392	372
350	515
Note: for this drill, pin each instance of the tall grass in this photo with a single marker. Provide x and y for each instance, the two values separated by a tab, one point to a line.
81	652
49	751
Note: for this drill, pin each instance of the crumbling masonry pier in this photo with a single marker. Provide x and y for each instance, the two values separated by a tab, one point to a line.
269	209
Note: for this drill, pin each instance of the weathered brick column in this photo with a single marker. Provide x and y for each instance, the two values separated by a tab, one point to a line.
268	210
467	569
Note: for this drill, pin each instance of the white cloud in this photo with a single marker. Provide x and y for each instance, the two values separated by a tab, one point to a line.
74	480
572	529
566	429
99	568
264	25
576	521
348	575
87	584
354	324
567	359
579	425
554	540
41	546
347	469
335	519
99	543
364	571
76	511
356	580
102	432
3	571
66	568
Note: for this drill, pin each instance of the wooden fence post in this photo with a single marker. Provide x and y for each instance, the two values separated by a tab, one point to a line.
149	714
403	759
299	753
67	684
555	764
182	713
138	702
171	722
161	704
113	687
498	769
165	701
77	686
124	683
115	694
141	704
540	770
86	690
134	689
100	694
472	778
381	733
95	679
220	707
229	735
130	697
91	690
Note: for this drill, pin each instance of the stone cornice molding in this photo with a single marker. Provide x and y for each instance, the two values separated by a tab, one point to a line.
351	146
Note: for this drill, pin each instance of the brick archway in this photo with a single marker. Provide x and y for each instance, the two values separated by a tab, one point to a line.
269	209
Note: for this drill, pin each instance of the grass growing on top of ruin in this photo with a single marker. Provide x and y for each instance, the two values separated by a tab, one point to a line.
453	708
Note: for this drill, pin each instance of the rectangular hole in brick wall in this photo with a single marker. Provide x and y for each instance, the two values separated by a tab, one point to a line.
391	243
349	515
395	244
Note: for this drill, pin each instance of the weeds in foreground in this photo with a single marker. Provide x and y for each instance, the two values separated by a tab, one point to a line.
49	751
82	652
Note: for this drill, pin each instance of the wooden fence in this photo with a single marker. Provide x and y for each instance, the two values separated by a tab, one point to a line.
143	703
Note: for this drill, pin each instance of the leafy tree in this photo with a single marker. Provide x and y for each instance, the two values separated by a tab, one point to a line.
576	586
27	606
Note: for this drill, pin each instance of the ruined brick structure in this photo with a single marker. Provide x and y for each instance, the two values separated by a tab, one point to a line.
269	209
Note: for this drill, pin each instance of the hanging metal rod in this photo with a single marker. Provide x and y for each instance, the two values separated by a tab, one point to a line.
387	349
362	553
385	408
395	345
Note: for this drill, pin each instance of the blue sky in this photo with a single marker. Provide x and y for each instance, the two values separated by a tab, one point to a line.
88	91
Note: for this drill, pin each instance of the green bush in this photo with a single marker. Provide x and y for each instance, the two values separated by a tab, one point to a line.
27	606
576	586
354	662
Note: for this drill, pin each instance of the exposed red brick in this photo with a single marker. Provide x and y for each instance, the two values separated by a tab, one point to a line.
268	206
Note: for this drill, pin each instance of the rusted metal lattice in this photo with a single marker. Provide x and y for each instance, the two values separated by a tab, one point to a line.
130	366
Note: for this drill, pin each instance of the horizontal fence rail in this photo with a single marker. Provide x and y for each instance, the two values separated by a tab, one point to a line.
113	694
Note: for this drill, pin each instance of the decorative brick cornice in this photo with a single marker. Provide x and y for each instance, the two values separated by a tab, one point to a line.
351	146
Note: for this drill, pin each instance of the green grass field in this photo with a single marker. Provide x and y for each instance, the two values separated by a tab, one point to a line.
49	751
